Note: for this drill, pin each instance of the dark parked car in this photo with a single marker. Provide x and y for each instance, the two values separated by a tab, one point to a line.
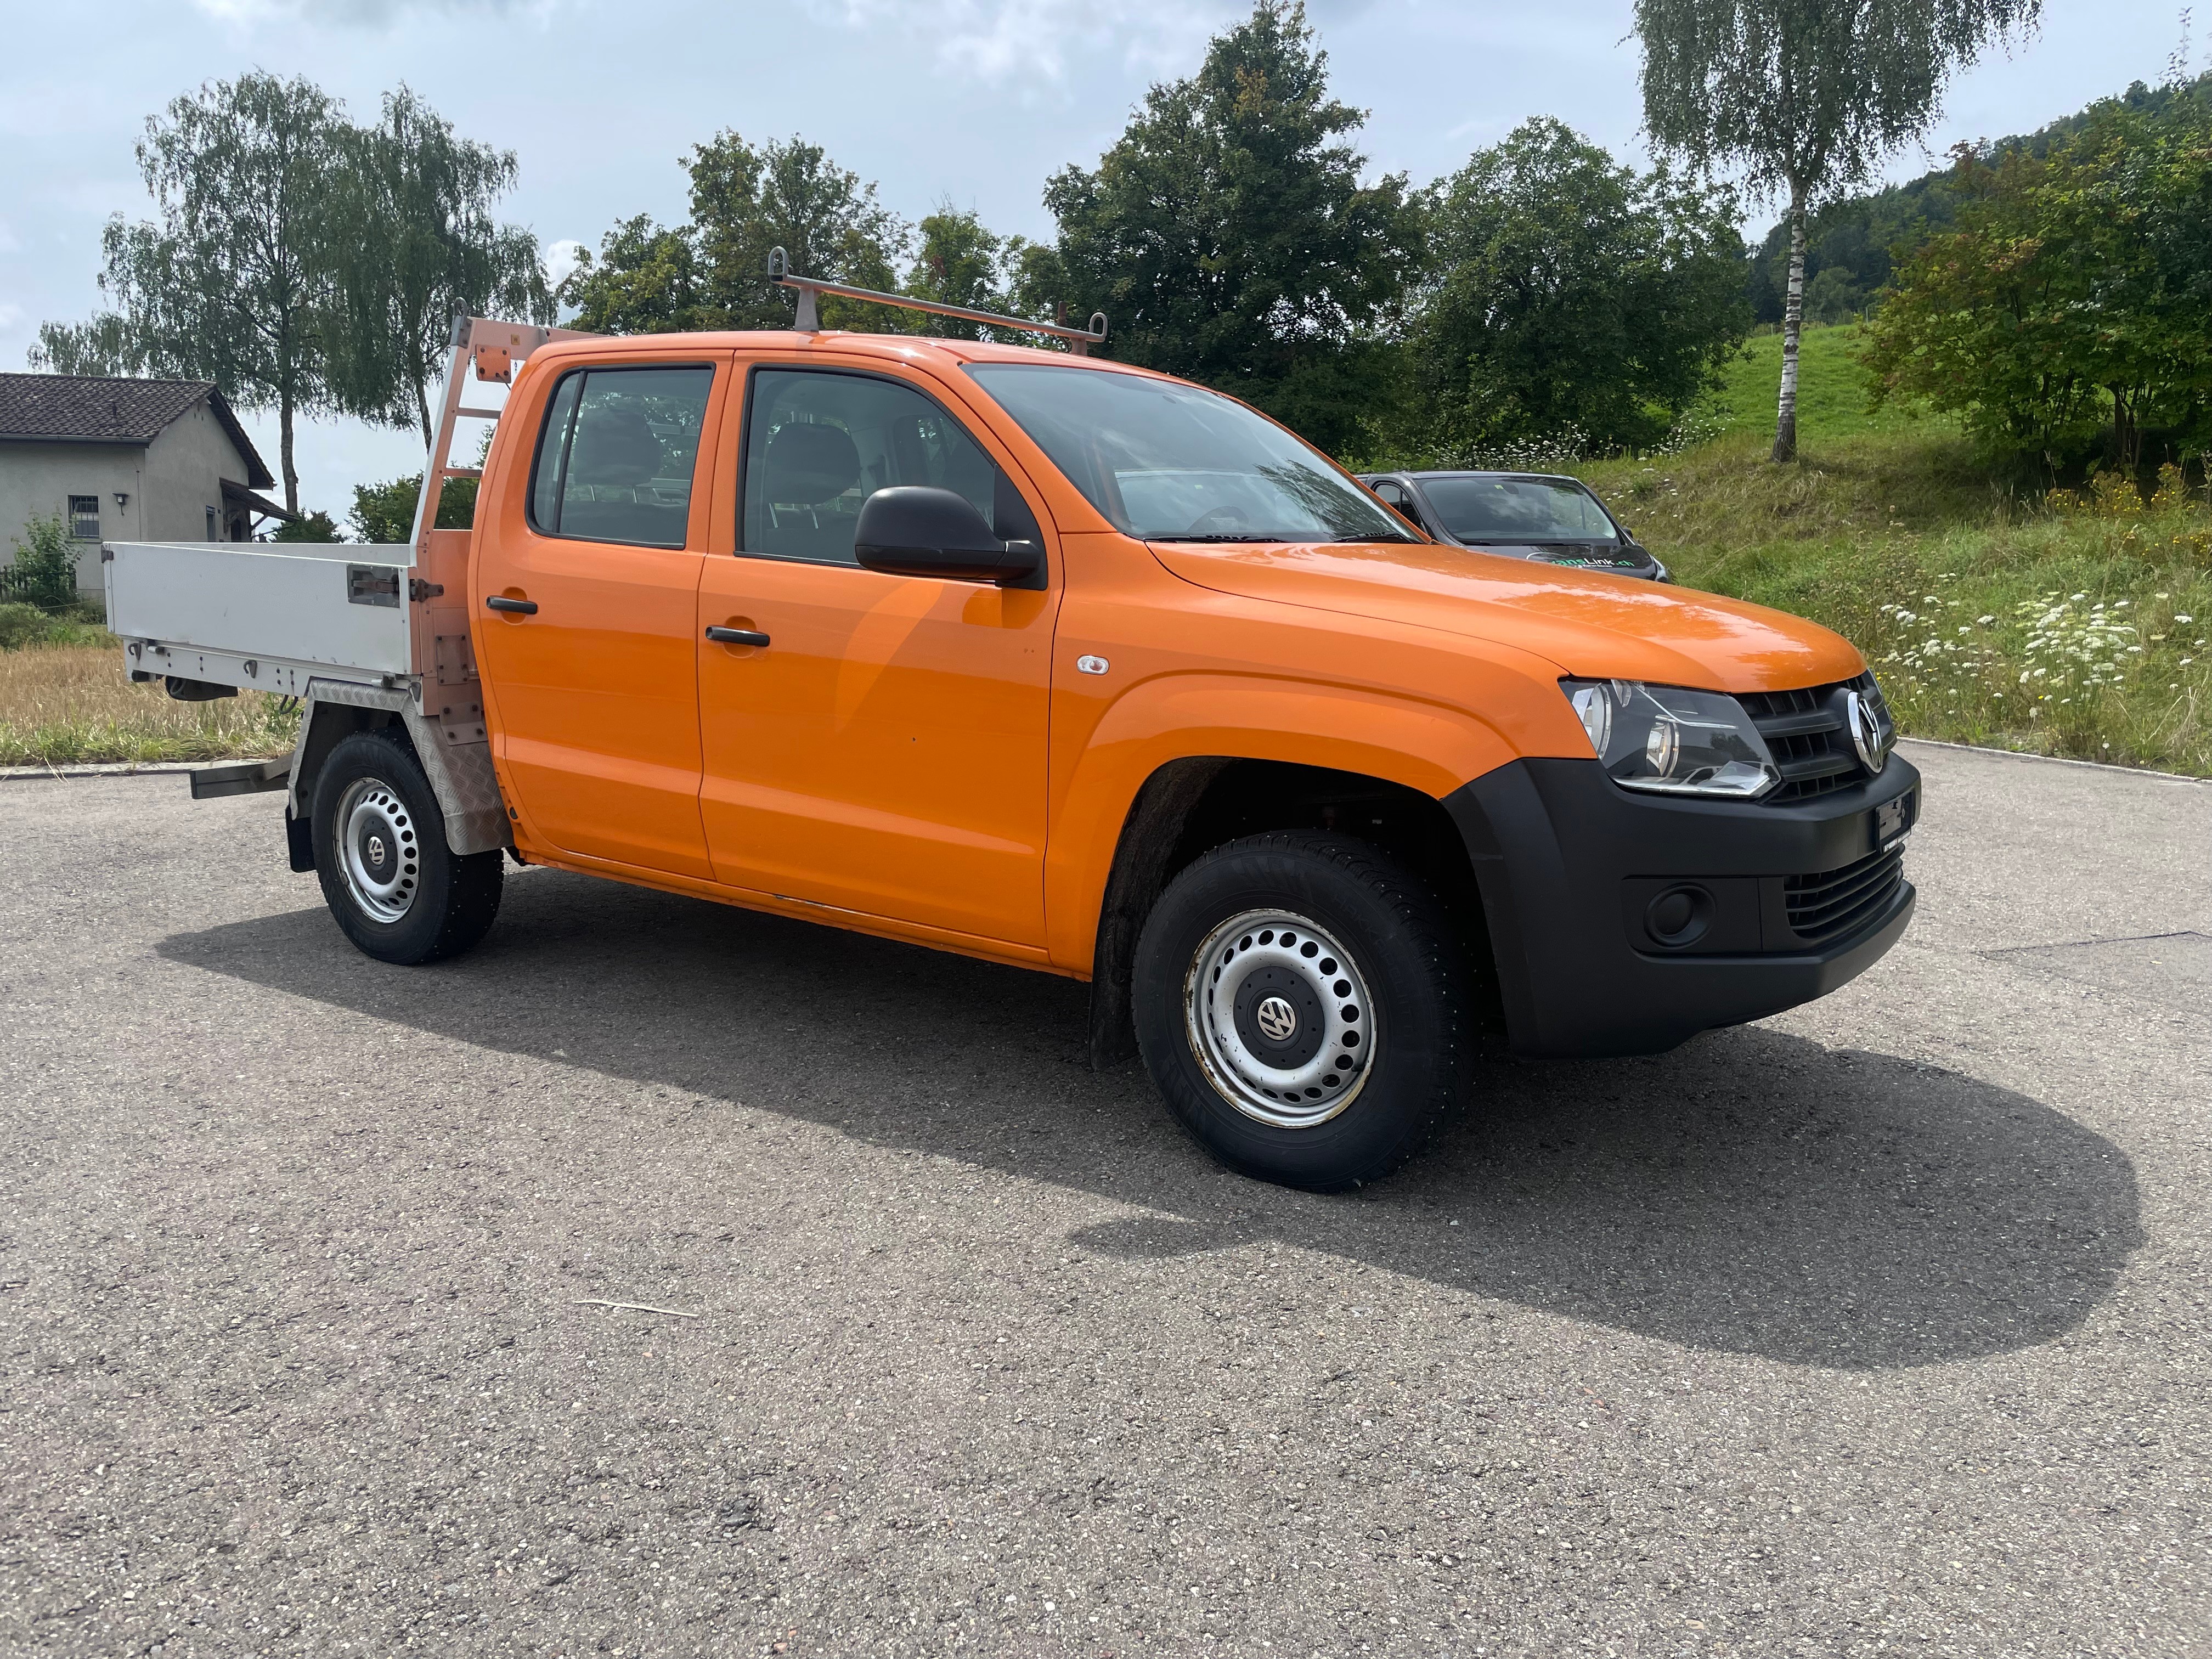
1524	515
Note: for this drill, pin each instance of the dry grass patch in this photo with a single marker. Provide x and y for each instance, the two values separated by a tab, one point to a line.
73	704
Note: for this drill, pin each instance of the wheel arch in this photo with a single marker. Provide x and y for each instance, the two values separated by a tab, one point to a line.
1189	806
460	773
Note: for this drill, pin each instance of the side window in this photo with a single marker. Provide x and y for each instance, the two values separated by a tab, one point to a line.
616	459
819	443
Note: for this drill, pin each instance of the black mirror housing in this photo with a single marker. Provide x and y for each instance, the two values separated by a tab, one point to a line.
918	530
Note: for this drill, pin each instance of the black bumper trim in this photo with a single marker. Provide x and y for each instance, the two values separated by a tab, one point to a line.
1553	841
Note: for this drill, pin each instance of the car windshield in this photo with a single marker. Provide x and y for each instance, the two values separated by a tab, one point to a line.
1167	462
1497	509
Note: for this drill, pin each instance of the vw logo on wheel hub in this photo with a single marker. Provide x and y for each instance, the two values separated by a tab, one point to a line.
1277	1020
376	851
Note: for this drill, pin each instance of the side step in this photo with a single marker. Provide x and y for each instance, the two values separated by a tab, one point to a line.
244	778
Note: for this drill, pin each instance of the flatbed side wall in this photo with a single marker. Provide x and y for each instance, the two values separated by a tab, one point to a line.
303	604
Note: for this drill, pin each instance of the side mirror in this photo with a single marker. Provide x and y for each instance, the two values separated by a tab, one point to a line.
917	529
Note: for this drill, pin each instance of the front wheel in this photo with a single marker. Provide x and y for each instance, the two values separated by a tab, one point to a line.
1300	1005
396	890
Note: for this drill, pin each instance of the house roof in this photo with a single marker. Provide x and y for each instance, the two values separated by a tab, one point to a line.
91	409
253	503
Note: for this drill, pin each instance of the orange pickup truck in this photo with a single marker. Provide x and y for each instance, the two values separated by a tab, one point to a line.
1043	659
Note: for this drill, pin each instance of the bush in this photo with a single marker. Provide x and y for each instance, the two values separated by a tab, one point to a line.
45	571
309	527
22	625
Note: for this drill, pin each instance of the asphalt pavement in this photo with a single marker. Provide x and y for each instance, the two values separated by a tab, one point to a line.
1880	1326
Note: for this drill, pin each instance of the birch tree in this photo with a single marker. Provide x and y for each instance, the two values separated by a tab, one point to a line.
1803	99
232	283
418	241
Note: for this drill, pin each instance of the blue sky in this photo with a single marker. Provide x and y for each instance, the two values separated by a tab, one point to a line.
970	101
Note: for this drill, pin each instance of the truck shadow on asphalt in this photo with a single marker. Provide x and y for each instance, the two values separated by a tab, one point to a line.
1752	1192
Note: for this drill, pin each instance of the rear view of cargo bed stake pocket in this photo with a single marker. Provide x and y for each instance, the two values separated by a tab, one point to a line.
372	584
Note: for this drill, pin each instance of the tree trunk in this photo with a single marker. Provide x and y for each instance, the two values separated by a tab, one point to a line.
284	449
422	414
1793	325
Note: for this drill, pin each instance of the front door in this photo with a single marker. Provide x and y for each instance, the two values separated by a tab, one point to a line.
884	751
585	616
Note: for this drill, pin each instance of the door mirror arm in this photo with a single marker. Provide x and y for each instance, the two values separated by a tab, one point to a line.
918	530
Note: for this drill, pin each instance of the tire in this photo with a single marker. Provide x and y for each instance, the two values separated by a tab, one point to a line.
1227	1012
382	857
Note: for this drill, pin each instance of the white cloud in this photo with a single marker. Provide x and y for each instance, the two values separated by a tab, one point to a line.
368	13
1003	41
561	257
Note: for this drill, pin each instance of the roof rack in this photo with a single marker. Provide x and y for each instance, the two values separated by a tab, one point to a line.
1080	340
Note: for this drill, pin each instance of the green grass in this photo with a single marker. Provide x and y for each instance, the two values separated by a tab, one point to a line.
1831	391
1977	605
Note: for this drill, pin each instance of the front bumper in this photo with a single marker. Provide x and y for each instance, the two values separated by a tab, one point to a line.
1570	866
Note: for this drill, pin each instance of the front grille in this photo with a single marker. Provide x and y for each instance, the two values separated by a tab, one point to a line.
1808	733
1832	903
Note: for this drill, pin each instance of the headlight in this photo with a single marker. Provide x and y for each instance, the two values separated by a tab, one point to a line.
1673	742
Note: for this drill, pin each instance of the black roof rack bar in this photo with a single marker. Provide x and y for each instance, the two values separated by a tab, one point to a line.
1080	340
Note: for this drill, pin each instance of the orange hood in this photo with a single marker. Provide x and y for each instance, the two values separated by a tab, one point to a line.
1593	625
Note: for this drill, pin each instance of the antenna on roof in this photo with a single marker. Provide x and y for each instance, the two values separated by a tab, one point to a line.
1080	340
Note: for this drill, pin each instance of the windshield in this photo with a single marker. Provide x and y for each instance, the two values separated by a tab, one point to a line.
1517	509
1175	463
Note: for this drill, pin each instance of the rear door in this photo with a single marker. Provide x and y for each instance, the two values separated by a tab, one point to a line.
585	603
884	751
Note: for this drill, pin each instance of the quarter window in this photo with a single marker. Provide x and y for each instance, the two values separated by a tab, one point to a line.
84	518
618	454
819	444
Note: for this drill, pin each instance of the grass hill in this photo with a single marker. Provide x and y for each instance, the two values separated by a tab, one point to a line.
1992	613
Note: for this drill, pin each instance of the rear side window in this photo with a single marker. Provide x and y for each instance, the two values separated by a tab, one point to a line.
617	456
819	444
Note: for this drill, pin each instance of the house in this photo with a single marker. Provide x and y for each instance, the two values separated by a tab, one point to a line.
125	460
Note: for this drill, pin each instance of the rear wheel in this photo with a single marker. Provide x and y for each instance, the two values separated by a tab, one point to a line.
396	890
1300	1005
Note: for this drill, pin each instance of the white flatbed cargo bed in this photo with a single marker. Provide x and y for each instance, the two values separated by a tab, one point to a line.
263	616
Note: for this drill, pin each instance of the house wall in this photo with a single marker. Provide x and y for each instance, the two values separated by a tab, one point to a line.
37	480
172	483
186	465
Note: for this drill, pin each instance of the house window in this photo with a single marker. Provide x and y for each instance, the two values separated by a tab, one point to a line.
84	518
211	535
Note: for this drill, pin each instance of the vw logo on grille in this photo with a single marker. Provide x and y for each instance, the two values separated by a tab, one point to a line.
1870	736
1276	1020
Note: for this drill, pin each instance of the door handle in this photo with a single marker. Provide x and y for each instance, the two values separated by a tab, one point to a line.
520	607
736	636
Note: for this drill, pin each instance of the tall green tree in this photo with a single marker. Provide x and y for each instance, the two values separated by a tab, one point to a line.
645	280
958	263
712	272
418	241
1804	98
2071	309
232	282
1571	298
1228	234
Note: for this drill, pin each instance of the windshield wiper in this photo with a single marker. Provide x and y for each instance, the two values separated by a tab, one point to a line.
1393	537
1216	538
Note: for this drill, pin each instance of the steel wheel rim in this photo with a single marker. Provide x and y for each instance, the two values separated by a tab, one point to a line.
379	852
1264	1060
